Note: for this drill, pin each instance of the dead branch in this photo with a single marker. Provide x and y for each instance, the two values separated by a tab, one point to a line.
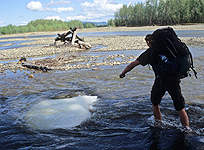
74	40
33	66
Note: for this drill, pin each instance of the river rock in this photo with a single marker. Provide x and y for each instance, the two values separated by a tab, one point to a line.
30	76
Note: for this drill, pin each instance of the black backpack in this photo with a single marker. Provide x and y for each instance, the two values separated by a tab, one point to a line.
172	56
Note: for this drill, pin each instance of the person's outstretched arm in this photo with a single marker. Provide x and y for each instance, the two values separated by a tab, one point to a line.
129	68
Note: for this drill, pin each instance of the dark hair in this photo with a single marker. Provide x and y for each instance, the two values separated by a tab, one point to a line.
148	37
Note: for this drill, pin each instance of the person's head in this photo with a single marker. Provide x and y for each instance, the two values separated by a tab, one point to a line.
148	39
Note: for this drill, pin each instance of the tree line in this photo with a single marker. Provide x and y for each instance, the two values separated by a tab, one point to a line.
160	12
44	25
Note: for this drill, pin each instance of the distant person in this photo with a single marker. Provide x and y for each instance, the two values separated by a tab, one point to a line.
170	84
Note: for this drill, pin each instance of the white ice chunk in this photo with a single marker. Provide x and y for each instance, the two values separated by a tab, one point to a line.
59	113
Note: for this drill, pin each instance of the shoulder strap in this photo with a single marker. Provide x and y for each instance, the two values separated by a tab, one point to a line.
173	54
191	59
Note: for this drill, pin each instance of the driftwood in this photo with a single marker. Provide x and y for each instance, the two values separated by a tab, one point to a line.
85	44
33	66
73	37
74	40
63	38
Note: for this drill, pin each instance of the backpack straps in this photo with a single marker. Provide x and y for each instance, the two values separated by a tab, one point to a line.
172	45
174	52
191	58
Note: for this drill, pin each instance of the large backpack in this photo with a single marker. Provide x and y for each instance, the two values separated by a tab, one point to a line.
172	56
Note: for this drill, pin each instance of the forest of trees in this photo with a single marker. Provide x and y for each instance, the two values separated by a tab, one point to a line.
160	12
44	25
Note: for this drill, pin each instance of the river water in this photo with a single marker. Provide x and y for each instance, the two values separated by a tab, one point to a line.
95	109
15	44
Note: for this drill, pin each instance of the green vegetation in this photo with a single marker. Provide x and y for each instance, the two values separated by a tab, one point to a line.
111	22
44	25
89	25
160	12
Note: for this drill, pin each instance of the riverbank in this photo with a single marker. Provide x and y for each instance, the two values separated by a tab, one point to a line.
111	29
71	59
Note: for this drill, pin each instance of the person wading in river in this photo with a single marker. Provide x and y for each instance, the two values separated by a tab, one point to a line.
161	85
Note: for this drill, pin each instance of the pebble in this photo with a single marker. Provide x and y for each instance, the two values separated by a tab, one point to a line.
30	76
111	43
96	69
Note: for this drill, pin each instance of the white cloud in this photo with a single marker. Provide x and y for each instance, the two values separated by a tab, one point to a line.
87	4
60	2
80	17
132	2
53	18
90	17
23	23
2	23
61	9
102	5
99	10
36	6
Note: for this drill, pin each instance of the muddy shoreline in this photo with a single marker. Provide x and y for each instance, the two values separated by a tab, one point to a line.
67	57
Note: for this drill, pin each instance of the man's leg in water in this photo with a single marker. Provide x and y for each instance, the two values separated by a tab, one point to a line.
183	117
182	113
157	112
158	91
179	102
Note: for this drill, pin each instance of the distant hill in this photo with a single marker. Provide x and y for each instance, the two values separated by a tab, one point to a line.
97	23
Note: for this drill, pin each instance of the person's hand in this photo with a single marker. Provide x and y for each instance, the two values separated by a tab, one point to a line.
122	75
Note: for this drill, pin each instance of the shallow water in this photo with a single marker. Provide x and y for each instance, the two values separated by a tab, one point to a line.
120	118
15	44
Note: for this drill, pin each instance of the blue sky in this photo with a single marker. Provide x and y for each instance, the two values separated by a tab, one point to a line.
20	12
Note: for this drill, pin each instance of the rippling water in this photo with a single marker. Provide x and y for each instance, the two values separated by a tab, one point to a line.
120	118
